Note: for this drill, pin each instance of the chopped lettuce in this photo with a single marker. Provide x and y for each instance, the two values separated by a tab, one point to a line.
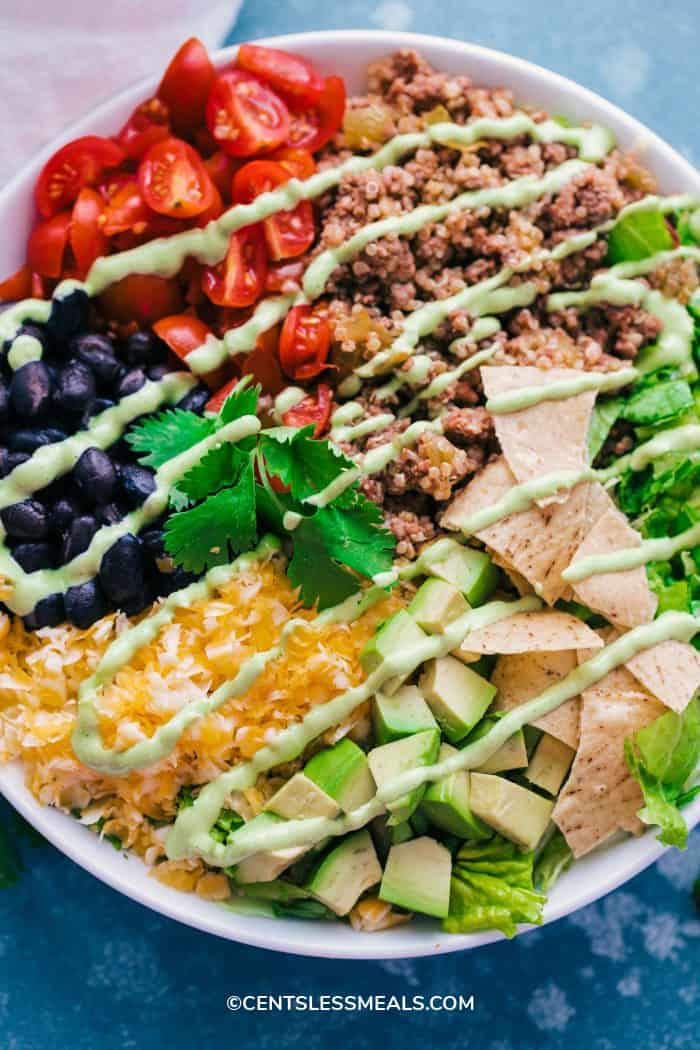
638	235
492	888
605	414
657	399
661	758
551	862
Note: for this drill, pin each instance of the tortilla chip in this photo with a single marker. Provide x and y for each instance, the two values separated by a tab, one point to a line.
568	525
601	796
625	598
546	437
532	632
670	671
522	676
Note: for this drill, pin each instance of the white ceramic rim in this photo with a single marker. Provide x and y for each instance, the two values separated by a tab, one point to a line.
591	878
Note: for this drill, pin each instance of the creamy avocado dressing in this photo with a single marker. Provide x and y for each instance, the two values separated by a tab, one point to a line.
526	397
661	549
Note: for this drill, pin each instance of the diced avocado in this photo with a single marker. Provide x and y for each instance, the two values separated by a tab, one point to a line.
511	755
301	797
346	872
515	812
472	572
549	764
400	715
343	774
399	633
389	760
457	696
436	605
417	877
266	866
401	833
446	804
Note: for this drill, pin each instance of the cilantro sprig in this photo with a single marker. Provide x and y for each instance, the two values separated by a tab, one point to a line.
235	492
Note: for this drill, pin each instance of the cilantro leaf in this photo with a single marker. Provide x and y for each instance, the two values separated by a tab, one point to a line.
242	401
166	435
219	468
301	462
353	536
311	569
638	235
224	524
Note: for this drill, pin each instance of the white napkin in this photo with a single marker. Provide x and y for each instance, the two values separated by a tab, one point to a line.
58	60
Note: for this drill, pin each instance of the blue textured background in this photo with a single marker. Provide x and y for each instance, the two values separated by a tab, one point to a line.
81	967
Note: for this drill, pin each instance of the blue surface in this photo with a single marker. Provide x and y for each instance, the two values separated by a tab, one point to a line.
82	967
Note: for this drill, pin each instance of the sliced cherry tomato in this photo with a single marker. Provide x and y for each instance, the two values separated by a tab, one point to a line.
304	343
143	298
221	170
183	333
288	233
240	279
244	115
293	76
79	163
312	128
263	363
17	286
174	181
298	162
47	244
186	84
87	237
316	410
214	210
283	276
148	124
215	403
125	211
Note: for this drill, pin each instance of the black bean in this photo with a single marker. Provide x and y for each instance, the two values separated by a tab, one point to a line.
130	382
4	400
85	604
196	399
138	601
137	484
16	459
68	315
49	612
156	372
122	569
95	474
78	536
168	582
26	439
36	332
26	520
97	352
100	404
153	544
33	556
143	348
63	512
30	390
75	388
110	514
4	468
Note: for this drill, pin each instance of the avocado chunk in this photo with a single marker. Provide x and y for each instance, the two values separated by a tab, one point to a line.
446	804
266	866
472	572
400	715
300	797
346	872
511	755
515	812
343	774
457	696
399	633
549	764
389	760
417	877
436	605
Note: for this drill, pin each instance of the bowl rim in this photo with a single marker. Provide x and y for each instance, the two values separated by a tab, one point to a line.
98	858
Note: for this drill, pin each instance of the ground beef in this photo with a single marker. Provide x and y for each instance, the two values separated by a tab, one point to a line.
411	531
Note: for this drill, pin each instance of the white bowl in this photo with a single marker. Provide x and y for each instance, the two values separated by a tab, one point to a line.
346	53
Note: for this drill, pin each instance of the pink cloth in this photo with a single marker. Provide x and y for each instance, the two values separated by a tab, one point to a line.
58	60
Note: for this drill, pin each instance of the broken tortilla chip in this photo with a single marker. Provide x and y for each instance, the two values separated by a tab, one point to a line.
625	598
546	437
532	632
670	671
601	796
521	676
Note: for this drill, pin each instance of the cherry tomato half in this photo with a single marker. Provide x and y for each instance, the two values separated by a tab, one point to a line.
17	286
183	333
298	162
285	276
244	115
215	403
262	363
288	233
148	124
316	410
304	343
143	298
186	84
293	76
47	245
174	181
240	278
221	170
311	128
125	210
87	237
77	164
